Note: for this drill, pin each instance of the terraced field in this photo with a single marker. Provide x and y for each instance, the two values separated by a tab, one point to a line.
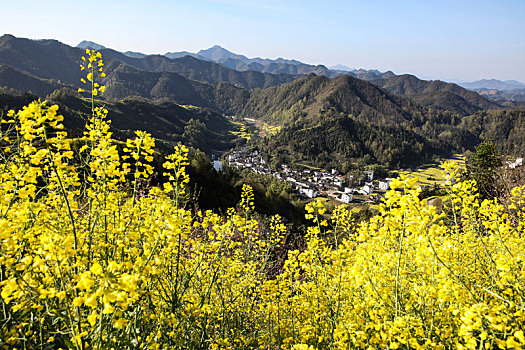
243	130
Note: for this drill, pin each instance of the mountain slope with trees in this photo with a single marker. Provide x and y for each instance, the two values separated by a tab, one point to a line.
436	94
342	142
504	128
51	59
14	79
312	95
167	121
126	81
45	59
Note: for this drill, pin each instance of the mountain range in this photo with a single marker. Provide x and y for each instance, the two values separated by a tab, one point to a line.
241	63
508	90
167	121
392	120
58	63
494	84
44	65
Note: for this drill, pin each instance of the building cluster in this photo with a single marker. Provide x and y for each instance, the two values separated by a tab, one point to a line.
313	183
309	183
250	160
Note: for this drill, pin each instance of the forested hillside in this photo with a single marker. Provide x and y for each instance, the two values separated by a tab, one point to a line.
314	94
343	142
167	121
505	128
436	94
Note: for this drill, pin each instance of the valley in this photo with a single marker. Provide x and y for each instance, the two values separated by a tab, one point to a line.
314	128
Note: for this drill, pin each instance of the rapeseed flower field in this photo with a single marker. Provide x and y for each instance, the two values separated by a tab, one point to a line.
92	258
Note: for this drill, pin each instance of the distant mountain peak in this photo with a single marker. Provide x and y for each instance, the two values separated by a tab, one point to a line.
8	36
342	68
86	44
217	50
134	54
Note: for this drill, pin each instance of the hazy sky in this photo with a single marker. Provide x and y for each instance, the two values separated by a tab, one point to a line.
447	39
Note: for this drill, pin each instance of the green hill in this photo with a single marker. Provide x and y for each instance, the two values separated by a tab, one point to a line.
166	120
342	142
436	94
14	79
505	128
313	94
124	81
332	122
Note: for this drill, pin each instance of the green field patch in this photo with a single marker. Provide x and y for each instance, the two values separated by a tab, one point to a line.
430	174
374	206
190	107
237	123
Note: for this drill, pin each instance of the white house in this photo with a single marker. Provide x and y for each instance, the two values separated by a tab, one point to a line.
385	184
368	189
346	197
308	192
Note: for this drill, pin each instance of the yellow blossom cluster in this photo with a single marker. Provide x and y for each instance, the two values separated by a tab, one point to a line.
93	64
87	263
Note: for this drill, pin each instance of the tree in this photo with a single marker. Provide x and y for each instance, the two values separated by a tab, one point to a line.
484	167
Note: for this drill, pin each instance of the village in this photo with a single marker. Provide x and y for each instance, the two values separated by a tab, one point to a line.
312	183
